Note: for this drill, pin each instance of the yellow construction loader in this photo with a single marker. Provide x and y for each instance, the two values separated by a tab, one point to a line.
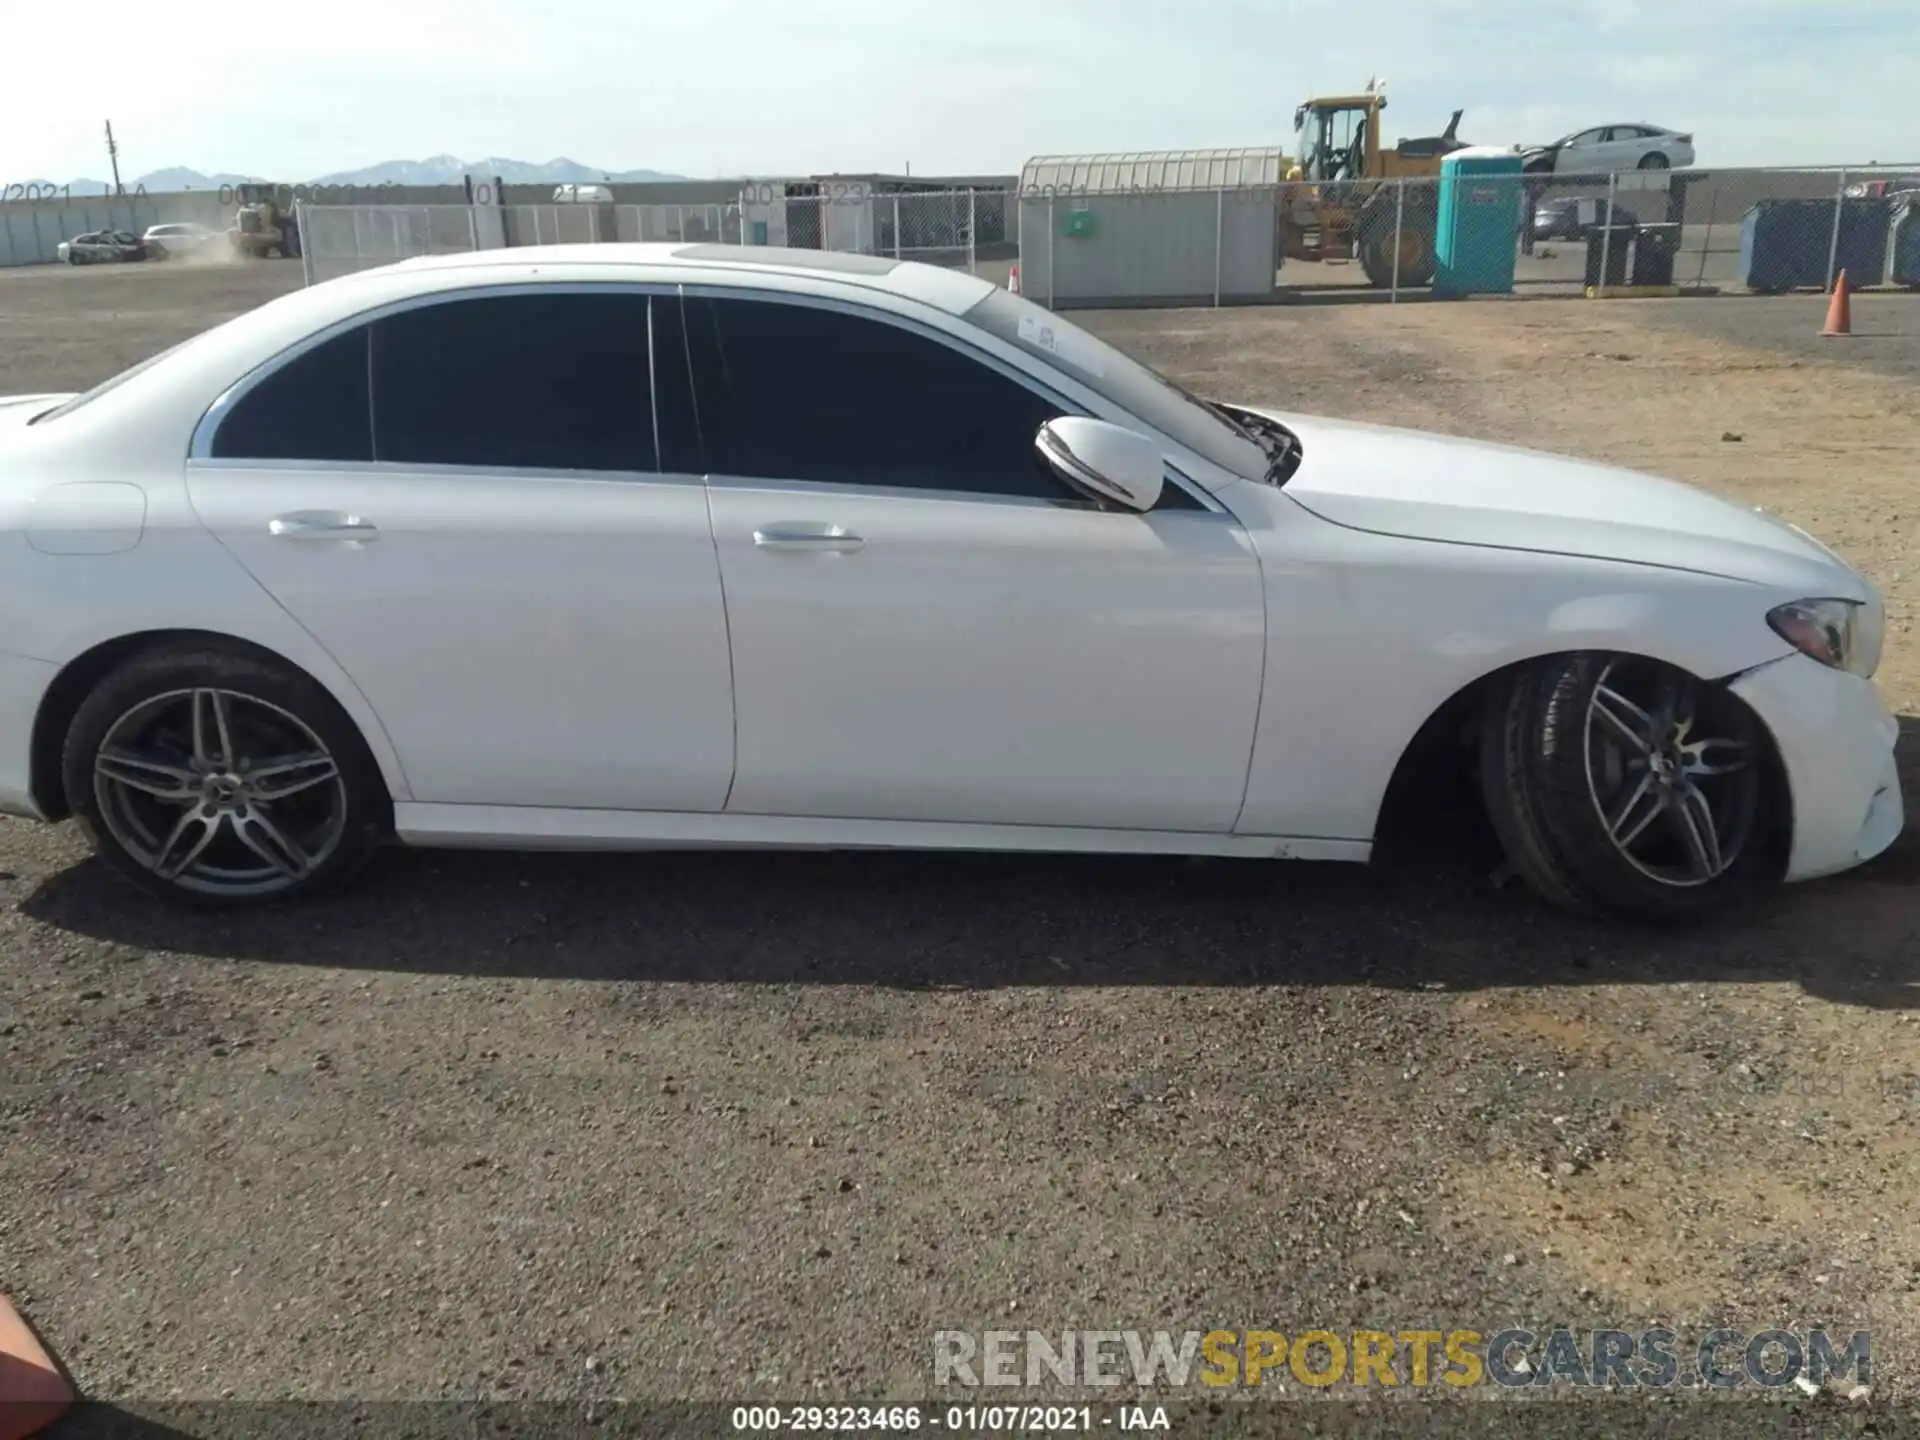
257	231
1333	206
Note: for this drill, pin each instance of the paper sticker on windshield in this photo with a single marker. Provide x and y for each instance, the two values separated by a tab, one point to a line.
1063	344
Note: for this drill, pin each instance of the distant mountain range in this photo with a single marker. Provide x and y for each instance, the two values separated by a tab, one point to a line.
434	170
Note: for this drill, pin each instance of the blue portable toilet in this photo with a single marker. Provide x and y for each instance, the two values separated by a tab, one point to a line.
1477	230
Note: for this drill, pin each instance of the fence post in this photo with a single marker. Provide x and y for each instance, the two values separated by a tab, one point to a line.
1399	219
306	249
973	239
1706	241
1833	242
1606	234
473	229
896	226
1219	239
1052	240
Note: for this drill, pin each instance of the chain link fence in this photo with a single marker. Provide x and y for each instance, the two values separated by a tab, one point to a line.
342	239
1639	232
961	229
1635	232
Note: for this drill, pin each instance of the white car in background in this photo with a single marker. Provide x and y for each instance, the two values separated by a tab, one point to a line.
173	241
1604	149
648	546
100	247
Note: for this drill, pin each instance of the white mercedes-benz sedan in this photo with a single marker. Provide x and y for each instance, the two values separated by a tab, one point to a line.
647	546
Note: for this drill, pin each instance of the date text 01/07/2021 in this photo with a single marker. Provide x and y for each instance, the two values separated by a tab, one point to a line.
951	1419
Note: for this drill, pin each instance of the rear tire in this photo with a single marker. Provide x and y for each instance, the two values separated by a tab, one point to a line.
1654	161
213	777
1627	788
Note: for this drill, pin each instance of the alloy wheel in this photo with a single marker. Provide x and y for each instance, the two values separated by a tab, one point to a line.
1672	768
220	793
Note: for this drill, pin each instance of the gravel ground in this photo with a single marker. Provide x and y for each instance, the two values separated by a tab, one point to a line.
1886	328
738	1127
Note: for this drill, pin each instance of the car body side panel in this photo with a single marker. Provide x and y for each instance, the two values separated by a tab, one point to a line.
1847	805
992	663
56	607
1369	635
23	684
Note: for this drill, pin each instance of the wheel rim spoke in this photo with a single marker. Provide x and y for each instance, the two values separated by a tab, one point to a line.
174	783
1642	808
191	834
1718	757
260	834
286	775
212	729
1627	720
1699	832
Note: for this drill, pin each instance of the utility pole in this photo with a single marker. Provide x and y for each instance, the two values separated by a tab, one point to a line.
113	158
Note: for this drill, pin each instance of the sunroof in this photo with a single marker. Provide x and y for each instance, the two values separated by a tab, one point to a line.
839	260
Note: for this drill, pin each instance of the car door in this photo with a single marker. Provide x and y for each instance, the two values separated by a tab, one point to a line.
462	502
926	624
1582	154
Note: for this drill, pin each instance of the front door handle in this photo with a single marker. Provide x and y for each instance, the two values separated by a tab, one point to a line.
807	537
322	525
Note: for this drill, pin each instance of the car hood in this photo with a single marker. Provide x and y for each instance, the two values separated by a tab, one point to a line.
1433	487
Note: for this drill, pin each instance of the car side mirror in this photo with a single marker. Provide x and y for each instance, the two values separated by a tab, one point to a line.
1107	462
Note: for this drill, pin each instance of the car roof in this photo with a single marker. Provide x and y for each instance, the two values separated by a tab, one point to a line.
953	290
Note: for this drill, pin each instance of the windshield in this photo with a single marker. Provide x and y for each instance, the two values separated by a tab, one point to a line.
1169	409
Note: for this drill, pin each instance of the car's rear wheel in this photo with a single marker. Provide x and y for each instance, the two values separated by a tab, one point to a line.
1623	786
219	778
1653	161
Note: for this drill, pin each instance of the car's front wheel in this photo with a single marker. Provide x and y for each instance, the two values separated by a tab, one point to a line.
1623	786
217	777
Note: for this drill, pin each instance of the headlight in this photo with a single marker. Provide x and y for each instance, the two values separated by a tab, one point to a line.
1840	633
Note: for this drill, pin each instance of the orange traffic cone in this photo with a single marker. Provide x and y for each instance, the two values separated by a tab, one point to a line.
1839	309
1013	280
33	1392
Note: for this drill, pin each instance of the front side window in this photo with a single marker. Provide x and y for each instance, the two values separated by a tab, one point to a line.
1122	380
801	392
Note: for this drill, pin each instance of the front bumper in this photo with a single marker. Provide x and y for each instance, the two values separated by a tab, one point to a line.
1836	741
23	683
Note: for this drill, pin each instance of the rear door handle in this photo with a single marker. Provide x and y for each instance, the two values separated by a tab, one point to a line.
807	537
322	525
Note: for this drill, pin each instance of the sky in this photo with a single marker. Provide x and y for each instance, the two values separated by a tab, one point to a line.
768	87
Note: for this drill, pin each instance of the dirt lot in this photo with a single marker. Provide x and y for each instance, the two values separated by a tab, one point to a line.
755	1127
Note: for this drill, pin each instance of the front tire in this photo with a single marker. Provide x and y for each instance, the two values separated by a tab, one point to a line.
214	777
1624	787
1382	227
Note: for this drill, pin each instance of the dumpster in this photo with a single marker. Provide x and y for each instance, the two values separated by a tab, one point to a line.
1906	242
1476	231
1654	250
1613	244
1785	244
